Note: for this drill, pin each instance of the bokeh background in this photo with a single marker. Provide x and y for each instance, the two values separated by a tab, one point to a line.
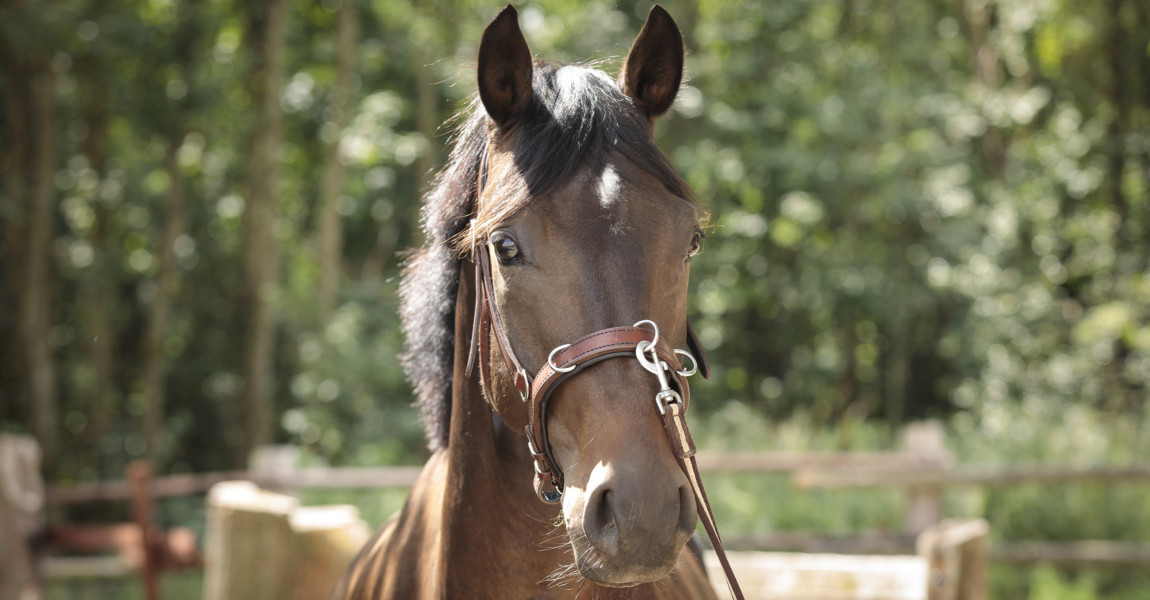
921	209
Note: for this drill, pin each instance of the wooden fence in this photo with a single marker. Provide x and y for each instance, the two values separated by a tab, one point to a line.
922	468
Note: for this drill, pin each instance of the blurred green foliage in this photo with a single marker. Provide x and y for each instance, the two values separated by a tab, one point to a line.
916	209
919	209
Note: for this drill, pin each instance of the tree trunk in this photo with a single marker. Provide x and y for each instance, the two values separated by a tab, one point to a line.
97	304
1115	143
330	234
13	204
154	368
267	23
37	301
155	362
31	114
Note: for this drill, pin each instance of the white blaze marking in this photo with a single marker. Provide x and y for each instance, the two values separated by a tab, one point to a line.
609	185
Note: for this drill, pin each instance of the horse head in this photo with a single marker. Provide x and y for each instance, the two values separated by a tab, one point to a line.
582	225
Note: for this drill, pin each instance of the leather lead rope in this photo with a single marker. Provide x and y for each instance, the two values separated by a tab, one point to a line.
675	423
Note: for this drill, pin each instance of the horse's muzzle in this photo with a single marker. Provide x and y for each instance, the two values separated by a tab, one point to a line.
631	527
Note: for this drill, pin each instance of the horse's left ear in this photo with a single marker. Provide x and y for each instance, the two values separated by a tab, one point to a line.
654	66
504	68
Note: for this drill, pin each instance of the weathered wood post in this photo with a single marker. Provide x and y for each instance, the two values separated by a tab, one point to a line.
956	552
21	503
925	440
263	546
248	542
326	539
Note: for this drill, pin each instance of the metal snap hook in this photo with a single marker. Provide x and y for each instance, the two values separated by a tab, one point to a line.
551	360
647	363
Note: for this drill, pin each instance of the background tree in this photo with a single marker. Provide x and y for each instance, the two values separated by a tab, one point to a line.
918	209
265	37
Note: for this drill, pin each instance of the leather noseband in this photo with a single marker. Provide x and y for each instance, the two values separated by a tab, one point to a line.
564	362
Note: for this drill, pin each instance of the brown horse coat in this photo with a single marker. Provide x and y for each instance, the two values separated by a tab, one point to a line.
602	232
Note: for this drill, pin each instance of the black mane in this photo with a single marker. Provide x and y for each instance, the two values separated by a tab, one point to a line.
575	117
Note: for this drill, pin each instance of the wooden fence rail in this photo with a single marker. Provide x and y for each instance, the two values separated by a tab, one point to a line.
987	476
922	467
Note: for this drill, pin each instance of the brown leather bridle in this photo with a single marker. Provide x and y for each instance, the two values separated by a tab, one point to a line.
568	360
564	362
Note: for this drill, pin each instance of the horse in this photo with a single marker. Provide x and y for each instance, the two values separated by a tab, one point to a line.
559	240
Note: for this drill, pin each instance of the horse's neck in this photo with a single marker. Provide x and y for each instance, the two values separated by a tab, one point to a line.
492	519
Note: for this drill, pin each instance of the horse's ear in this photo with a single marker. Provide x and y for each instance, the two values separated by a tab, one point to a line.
654	66
504	68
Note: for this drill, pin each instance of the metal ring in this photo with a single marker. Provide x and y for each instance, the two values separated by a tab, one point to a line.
551	358
654	327
694	363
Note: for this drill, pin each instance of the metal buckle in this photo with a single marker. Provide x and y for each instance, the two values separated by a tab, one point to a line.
523	394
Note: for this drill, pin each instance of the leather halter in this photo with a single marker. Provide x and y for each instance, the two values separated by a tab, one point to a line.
614	342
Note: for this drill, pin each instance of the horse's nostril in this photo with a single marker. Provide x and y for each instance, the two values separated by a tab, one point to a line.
599	523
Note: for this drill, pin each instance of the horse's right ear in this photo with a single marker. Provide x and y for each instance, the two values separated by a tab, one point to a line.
654	66
504	68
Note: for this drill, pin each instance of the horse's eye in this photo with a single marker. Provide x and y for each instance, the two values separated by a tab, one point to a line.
696	244
505	247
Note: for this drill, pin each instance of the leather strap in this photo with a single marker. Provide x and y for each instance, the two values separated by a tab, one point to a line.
488	319
596	347
683	447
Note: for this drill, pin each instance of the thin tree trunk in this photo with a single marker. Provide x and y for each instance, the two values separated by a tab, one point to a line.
154	368
14	204
261	253
330	234
898	370
34	303
1142	65
155	362
96	306
977	22
1119	124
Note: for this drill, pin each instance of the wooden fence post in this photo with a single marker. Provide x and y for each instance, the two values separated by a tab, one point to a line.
21	503
248	541
140	474
956	552
927	440
263	546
